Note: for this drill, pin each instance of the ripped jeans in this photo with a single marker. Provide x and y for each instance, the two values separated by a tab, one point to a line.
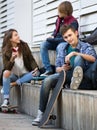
14	78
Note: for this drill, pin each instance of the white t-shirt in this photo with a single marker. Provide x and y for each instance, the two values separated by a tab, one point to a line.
19	68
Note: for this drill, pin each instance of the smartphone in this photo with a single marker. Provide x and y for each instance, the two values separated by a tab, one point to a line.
67	63
15	49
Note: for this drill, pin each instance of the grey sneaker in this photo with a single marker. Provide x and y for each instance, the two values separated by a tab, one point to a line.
36	121
47	73
76	78
5	103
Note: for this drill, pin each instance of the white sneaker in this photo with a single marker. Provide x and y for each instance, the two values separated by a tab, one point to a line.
47	73
2	91
76	78
5	103
36	121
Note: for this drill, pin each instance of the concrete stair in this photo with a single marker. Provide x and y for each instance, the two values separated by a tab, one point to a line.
75	110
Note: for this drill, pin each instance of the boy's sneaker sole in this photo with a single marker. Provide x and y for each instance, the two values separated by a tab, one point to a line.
35	123
76	78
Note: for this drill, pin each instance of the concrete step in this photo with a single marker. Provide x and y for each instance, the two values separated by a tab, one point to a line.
75	110
18	122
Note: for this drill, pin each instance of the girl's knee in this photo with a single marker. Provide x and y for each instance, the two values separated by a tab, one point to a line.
6	73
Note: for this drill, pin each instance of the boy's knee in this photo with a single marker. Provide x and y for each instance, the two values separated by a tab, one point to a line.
78	59
43	45
47	83
47	80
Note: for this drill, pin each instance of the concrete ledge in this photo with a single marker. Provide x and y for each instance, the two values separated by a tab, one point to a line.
15	96
79	110
75	110
30	99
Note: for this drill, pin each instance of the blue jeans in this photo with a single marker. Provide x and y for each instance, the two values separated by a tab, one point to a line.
78	61
45	46
14	78
50	82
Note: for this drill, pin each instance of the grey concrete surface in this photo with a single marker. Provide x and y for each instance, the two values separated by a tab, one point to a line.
18	122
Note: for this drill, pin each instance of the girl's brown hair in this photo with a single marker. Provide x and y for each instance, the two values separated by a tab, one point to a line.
7	46
7	37
66	8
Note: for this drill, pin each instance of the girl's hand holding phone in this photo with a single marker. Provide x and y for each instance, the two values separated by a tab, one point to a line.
14	53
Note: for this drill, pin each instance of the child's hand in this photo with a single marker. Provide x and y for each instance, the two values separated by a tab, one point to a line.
35	72
51	37
66	66
14	53
15	49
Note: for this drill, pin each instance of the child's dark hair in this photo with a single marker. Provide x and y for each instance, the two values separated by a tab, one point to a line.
66	8
65	28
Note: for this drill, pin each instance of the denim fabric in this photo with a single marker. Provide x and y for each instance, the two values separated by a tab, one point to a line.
13	78
50	82
82	47
6	87
45	46
25	78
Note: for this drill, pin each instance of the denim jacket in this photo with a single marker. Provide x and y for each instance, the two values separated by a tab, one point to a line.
82	47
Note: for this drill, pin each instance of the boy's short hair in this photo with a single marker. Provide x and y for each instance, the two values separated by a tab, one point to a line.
65	28
66	8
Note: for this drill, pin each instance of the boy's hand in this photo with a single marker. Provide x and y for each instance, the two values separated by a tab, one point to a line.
66	66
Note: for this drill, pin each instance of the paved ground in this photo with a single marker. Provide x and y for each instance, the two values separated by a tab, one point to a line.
18	122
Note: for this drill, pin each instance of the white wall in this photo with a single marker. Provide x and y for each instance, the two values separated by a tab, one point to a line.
45	11
23	19
34	19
